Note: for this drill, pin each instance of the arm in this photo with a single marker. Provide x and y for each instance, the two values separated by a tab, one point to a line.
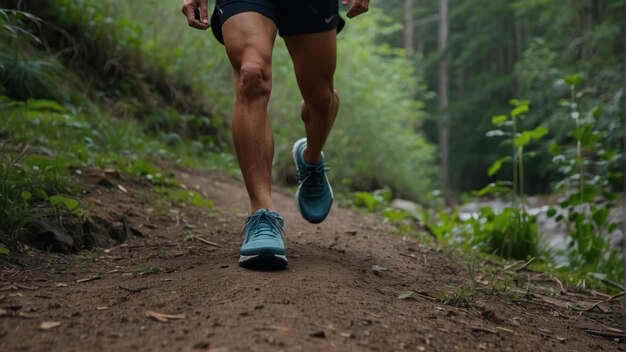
189	10
358	7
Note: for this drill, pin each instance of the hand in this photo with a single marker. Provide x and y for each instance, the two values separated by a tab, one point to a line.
358	7
189	10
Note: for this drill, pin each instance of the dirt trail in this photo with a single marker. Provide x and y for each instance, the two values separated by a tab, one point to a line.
329	299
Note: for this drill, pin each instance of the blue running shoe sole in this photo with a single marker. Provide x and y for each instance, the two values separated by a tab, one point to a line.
265	260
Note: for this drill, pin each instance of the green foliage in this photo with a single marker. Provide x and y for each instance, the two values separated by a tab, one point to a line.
588	196
144	168
25	72
134	38
373	201
458	296
93	138
519	139
59	140
26	180
147	270
69	205
405	222
510	234
13	201
513	232
181	196
446	227
516	48
587	163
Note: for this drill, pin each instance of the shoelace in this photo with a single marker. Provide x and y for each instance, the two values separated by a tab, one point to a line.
258	228
312	179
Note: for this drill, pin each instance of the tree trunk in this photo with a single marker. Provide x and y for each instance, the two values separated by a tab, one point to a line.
518	40
419	40
624	171
409	28
443	98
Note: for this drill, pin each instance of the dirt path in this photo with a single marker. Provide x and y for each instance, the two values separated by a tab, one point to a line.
329	299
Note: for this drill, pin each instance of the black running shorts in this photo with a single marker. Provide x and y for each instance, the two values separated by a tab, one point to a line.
292	17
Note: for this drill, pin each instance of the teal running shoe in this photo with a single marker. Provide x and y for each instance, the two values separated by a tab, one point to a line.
263	246
314	195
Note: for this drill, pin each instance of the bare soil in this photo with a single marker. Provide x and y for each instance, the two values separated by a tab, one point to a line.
183	263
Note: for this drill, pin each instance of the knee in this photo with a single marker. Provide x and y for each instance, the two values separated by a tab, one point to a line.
254	82
323	100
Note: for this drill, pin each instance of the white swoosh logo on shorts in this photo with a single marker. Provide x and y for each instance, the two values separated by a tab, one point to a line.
327	20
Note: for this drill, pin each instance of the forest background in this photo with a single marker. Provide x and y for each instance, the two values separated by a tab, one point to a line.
443	102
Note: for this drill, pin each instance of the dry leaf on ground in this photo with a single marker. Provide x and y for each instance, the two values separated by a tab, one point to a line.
47	325
164	318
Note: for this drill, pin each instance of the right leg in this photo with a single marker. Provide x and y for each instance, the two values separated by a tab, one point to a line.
249	38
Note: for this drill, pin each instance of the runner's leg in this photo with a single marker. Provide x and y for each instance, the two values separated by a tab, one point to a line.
249	38
314	59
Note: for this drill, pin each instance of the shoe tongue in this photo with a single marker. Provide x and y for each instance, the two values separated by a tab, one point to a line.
273	214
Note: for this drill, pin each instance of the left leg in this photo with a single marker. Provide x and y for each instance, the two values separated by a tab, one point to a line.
314	59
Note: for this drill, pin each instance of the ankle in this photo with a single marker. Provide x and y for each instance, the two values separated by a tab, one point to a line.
311	159
257	205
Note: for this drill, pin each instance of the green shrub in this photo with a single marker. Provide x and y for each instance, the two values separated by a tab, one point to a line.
26	72
589	189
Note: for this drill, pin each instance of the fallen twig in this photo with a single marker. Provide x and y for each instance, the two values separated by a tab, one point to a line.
547	306
560	284
608	334
208	242
88	279
596	293
507	267
605	301
481	329
519	262
426	296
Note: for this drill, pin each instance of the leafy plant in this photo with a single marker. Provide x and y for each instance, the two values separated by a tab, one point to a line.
519	140
513	232
13	200
25	180
146	270
69	205
510	234
181	196
373	201
24	72
588	190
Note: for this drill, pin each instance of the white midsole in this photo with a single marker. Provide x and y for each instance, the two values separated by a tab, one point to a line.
244	258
